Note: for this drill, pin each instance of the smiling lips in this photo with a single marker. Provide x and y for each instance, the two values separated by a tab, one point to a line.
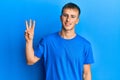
67	24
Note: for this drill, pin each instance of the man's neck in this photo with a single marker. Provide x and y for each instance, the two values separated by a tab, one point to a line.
67	34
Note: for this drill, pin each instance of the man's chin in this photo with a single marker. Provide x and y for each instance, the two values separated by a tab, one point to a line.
67	29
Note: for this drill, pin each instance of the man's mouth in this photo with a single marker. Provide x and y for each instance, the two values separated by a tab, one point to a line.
68	24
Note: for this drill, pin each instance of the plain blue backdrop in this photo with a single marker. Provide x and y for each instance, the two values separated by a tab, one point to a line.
99	23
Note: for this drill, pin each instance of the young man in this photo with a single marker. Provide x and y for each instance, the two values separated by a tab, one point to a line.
67	55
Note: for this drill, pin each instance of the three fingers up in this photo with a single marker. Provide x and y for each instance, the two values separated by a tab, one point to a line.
29	32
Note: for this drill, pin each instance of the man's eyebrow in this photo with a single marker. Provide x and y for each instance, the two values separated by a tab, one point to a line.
64	13
73	15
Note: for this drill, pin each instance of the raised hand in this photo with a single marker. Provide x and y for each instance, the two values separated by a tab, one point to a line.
29	32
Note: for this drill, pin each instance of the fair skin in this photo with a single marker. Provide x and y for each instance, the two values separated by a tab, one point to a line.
29	34
87	72
69	19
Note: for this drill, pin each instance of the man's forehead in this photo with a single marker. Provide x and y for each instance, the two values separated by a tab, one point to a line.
70	11
74	9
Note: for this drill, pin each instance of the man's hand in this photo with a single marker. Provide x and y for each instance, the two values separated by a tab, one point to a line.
29	32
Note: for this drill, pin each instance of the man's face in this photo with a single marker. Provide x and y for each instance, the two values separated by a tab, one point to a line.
69	19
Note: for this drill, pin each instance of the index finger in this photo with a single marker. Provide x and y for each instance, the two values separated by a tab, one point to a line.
33	25
26	22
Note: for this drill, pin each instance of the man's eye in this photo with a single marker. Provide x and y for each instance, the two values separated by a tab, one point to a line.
65	15
73	16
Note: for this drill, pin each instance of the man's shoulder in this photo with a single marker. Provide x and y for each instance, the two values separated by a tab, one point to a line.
51	36
83	40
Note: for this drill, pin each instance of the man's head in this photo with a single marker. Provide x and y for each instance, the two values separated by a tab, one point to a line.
69	16
71	6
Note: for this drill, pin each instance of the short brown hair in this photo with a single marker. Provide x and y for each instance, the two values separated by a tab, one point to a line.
72	6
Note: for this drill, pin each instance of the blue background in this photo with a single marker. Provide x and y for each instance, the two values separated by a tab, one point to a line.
99	23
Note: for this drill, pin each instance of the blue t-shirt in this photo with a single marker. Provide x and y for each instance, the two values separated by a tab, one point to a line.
64	58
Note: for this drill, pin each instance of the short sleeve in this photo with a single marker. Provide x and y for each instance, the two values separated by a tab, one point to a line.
88	56
39	50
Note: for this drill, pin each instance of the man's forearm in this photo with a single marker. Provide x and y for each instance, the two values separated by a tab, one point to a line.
29	52
87	76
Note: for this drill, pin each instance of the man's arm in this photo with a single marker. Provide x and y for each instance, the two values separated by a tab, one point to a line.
87	72
29	34
31	58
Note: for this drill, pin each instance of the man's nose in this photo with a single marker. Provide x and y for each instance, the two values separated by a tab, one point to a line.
68	18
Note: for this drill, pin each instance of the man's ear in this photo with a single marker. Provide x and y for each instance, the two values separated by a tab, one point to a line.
77	20
60	17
